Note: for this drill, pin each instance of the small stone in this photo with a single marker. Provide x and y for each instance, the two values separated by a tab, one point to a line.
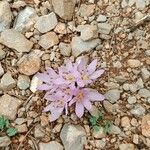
145	73
60	28
57	128
134	63
39	132
132	100
1	70
126	86
20	44
125	122
146	125
101	18
88	32
79	46
126	146
64	8
99	134
133	88
29	65
135	138
104	28
113	95
46	23
7	82
100	144
115	129
9	106
73	137
21	128
5	16
25	19
140	4
20	121
48	40
44	121
18	4
52	145
65	49
2	54
94	111
23	82
144	93
139	83
147	52
35	82
86	10
110	108
4	141
138	110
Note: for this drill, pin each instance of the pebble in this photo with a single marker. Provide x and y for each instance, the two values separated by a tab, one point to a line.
99	134
4	141
73	137
5	102
6	16
132	100
20	121
2	54
104	28
145	73
145	126
101	18
94	111
21	128
110	108
135	138
147	52
115	129
79	46
35	82
7	82
57	128
46	23
65	49
126	146
100	144
125	122
29	64
64	8
44	120
39	132
23	82
144	93
48	40
60	28
86	10
52	145
134	63
140	4
138	110
1	70
113	95
25	19
20	44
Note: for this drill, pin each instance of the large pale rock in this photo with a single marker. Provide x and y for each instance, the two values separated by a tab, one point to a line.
79	46
5	15
9	106
25	19
46	23
64	8
15	40
73	137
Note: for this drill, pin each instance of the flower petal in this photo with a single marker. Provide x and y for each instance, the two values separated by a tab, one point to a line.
54	116
97	74
92	66
44	87
80	83
43	77
79	109
82	64
51	72
87	104
60	81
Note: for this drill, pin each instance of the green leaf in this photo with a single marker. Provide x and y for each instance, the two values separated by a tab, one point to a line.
11	131
100	116
96	128
93	120
4	123
107	125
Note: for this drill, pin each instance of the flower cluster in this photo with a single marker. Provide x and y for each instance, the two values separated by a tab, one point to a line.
68	86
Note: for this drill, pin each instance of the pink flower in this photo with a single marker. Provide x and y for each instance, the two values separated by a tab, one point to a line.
83	98
88	73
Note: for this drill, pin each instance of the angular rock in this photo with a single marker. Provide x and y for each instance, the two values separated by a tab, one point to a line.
61	28
5	16
39	132
4	141
20	44
126	146
73	137
79	46
23	82
64	8
2	54
110	108
104	28
9	106
145	73
52	145
86	10
65	49
7	82
133	63
21	128
1	70
101	18
138	110
140	4
113	95
115	129
146	125
46	23
25	19
29	65
48	40
144	93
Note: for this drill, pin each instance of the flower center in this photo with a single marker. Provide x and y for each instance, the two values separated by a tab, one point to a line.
69	77
85	77
80	96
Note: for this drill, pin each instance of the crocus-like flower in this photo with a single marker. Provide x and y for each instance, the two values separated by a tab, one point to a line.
83	98
88	73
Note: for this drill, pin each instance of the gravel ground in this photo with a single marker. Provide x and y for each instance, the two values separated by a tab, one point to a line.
35	34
